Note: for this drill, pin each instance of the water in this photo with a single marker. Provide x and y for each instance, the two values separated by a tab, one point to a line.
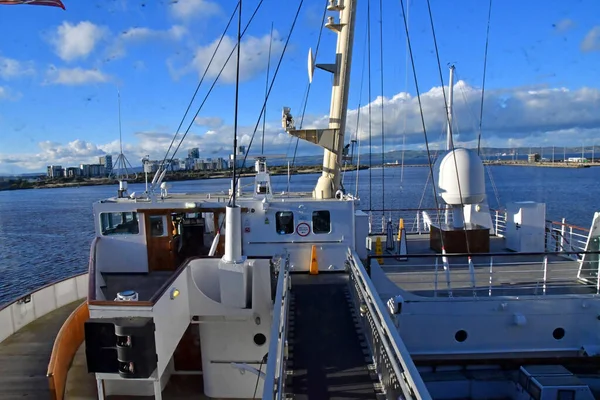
45	234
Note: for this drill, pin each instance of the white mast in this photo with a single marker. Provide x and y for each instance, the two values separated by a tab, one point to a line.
332	139
449	142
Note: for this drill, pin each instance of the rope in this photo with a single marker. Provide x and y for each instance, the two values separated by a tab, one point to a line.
262	145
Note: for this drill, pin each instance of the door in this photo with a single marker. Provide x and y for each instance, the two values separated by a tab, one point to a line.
159	240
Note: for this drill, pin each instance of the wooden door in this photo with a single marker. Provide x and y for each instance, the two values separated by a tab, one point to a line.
159	240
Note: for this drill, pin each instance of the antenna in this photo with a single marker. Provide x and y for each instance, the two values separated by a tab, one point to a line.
122	164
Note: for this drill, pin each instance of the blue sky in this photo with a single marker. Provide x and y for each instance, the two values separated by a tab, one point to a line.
60	72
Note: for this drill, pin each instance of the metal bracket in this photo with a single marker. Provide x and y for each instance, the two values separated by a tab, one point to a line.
325	138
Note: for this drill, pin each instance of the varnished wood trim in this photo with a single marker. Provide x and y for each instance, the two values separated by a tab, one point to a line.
121	303
67	342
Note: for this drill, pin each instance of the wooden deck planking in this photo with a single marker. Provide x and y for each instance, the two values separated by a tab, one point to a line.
24	356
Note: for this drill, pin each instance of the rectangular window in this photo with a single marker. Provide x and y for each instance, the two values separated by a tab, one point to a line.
157	225
565	395
119	223
321	221
284	222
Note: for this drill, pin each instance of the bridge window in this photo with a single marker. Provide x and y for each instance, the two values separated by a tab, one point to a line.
284	222
119	223
321	221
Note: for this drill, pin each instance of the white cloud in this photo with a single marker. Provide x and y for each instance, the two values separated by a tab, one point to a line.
75	76
591	42
253	57
187	9
8	94
209	122
10	68
512	117
138	35
564	25
76	41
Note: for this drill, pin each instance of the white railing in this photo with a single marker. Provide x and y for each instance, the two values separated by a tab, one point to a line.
450	276
397	372
274	385
560	236
28	308
415	220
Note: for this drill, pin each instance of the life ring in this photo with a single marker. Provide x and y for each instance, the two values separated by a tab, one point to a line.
339	195
303	229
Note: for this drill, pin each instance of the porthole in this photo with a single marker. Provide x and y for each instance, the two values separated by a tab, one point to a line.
558	333
460	336
260	339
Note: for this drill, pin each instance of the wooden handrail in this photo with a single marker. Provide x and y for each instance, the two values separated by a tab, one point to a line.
67	342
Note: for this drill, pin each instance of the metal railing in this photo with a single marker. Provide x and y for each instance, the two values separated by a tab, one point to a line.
394	366
492	274
416	220
275	374
560	236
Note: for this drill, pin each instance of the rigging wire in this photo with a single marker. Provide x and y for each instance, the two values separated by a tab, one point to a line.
285	46
237	98
382	120
369	101
448	120
262	361
262	147
405	108
215	81
487	40
310	83
360	93
199	84
412	60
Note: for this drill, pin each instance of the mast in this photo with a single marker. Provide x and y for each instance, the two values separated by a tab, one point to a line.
449	142
332	138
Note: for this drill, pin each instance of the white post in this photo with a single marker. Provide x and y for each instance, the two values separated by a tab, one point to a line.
435	281
419	223
562	235
100	387
573	256
545	274
233	235
491	274
449	143
497	223
472	273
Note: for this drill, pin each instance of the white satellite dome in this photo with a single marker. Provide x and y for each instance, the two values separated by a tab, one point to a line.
470	176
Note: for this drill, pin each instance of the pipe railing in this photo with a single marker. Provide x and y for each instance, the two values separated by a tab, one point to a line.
395	368
274	384
489	275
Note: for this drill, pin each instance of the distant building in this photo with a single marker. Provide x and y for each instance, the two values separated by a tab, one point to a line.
72	172
84	170
194	153
577	159
533	157
55	171
97	170
108	163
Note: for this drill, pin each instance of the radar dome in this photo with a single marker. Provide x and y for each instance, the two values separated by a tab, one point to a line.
464	167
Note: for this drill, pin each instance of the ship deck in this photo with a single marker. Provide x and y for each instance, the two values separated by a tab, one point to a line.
512	274
24	356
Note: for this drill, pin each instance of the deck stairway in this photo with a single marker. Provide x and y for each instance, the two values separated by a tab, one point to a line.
333	338
329	358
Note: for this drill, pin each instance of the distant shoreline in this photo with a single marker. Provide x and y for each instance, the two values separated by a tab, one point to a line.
20	184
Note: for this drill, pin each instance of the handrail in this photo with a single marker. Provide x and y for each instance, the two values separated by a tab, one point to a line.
274	379
92	270
28	294
67	342
406	374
